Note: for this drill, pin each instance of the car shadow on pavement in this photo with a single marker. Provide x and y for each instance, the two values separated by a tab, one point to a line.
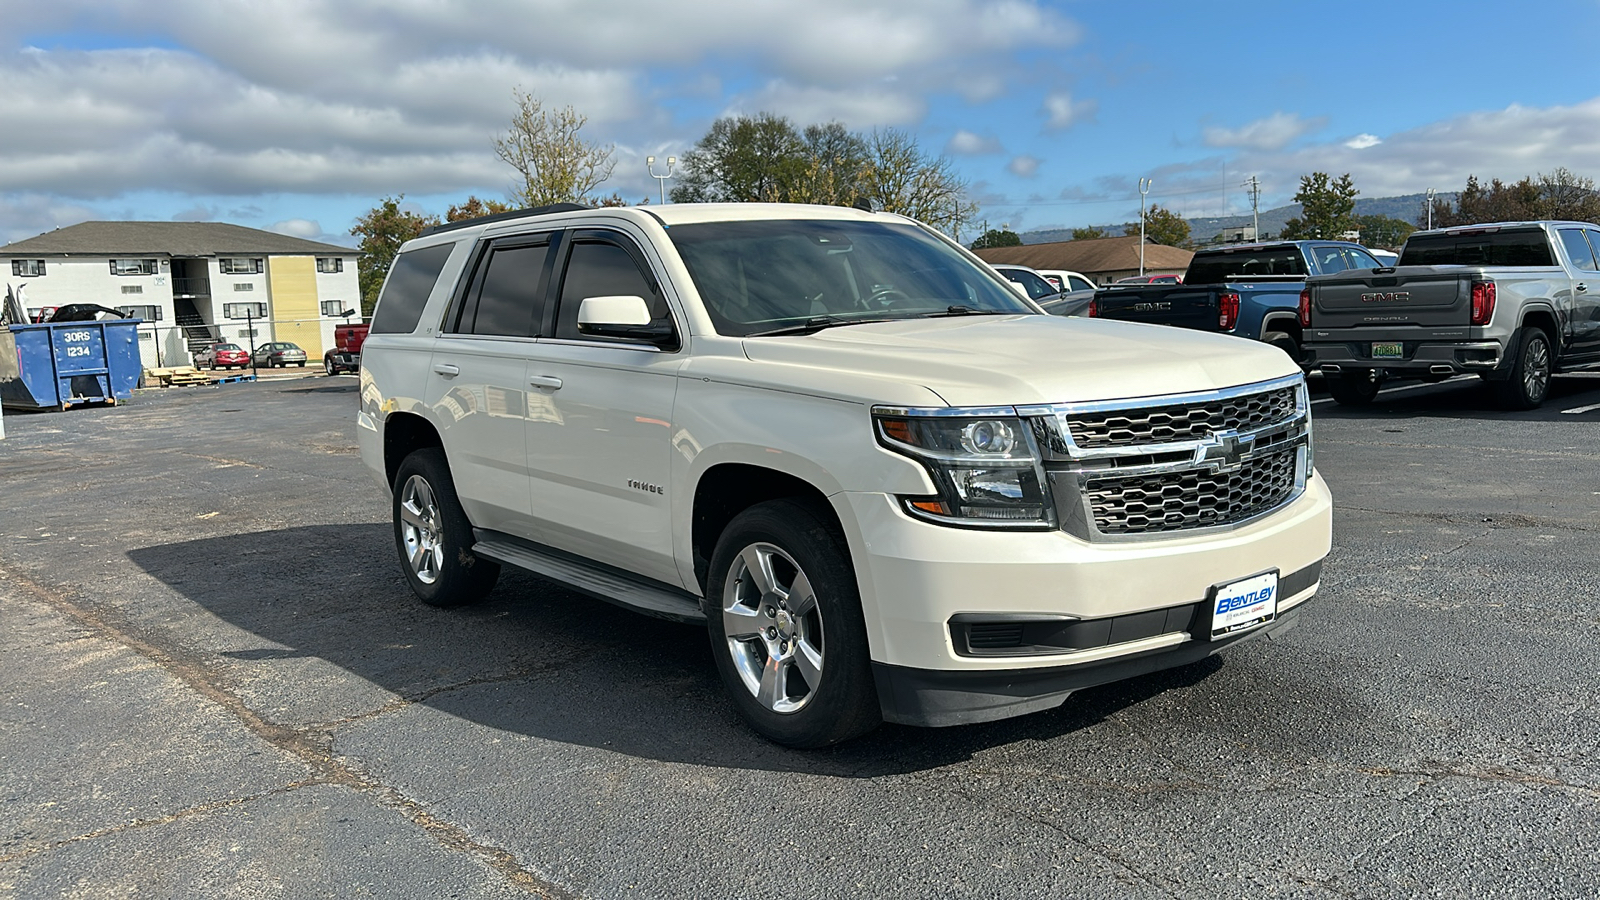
1464	399
534	658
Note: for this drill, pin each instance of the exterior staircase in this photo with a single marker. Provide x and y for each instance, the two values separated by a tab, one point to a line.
196	332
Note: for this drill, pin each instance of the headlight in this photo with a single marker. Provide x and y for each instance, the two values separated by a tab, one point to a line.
984	467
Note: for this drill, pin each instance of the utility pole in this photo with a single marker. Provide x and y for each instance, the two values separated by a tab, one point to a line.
650	163
1254	185
1144	188
1429	202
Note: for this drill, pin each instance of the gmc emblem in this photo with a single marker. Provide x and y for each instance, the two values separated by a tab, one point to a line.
1393	297
1161	306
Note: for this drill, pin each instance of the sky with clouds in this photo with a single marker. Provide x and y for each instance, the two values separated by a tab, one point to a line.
297	116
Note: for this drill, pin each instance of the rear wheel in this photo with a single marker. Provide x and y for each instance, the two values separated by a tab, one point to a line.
1357	388
786	627
328	365
1529	383
434	537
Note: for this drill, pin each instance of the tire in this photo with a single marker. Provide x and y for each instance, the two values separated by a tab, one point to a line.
433	537
786	627
1356	388
1529	383
330	366
1285	342
301	364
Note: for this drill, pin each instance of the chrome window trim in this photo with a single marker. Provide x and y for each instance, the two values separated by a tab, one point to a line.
977	412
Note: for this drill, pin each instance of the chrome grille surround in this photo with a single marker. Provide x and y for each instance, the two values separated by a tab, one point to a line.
1154	467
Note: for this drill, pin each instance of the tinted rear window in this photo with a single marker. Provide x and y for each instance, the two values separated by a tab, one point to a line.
1521	247
406	292
1232	265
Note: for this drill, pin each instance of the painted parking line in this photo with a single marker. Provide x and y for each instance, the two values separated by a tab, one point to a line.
1580	409
1409	387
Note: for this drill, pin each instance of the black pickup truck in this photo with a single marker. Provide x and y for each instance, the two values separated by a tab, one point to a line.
1248	290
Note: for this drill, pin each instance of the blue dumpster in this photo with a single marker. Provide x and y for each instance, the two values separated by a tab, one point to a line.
57	365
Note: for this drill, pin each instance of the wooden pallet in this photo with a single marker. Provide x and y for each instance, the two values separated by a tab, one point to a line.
177	376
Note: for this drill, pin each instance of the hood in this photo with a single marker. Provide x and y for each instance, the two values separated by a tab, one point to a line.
1021	360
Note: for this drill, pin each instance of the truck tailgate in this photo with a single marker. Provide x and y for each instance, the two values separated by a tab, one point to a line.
1180	305
1414	295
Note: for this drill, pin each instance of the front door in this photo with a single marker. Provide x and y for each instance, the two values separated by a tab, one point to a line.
1585	318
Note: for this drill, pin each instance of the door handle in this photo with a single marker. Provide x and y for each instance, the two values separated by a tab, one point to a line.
1583	288
545	381
446	369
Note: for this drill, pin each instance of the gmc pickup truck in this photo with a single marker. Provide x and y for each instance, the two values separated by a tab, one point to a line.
887	485
1246	290
1512	302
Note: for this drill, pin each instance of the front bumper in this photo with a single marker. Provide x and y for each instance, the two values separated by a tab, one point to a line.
917	578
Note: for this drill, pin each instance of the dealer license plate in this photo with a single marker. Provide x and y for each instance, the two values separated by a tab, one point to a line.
1244	604
1392	350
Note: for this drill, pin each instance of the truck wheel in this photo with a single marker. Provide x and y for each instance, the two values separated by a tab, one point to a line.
433	536
328	365
786	627
1529	383
1357	388
1285	342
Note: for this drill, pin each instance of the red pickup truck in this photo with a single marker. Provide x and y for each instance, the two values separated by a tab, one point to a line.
346	353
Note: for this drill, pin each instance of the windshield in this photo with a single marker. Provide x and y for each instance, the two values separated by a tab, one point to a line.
763	276
1232	265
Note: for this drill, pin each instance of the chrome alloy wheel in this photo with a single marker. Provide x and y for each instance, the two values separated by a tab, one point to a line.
1536	370
774	627
422	529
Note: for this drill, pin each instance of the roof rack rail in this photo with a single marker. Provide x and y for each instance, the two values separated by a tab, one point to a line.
513	214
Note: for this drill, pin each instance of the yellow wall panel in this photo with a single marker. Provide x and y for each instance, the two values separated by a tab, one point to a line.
296	314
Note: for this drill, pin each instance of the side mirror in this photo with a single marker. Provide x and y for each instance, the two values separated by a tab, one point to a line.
626	317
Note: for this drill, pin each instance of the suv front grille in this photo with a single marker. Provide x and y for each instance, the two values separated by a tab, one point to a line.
1192	499
1182	422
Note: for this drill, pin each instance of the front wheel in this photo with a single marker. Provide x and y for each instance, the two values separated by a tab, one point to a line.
330	366
433	535
787	630
1529	383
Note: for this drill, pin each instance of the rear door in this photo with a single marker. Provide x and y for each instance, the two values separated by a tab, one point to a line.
478	379
1576	241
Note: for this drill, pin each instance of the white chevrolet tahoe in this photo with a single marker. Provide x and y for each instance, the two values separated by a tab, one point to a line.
889	487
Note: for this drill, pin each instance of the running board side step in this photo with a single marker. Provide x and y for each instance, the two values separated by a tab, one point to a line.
611	585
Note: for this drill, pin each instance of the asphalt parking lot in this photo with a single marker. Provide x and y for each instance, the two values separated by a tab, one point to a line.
213	682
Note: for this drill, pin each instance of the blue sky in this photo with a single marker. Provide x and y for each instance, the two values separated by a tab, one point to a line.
297	116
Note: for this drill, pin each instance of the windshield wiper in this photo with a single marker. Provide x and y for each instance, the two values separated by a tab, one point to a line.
813	324
959	310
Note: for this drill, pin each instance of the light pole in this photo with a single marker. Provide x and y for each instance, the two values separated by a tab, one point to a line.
650	163
1144	188
1429	202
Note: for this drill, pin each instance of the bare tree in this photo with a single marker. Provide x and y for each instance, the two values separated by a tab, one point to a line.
902	179
555	163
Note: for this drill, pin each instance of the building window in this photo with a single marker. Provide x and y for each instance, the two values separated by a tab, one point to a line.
147	313
328	265
333	308
133	267
240	266
133	289
27	267
244	310
245	286
249	332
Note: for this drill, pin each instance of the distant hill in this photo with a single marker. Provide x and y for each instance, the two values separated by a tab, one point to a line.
1204	228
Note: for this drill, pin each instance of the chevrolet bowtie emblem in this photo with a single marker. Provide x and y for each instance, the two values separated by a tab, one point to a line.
1225	451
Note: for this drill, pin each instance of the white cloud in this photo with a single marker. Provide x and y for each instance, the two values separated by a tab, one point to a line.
966	143
1062	112
1023	166
1271	133
1363	141
300	228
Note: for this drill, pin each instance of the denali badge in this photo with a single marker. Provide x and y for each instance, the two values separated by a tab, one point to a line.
1391	297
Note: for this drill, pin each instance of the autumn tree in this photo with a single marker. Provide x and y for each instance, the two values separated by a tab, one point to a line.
555	163
1089	233
473	208
1558	195
1384	232
997	237
1327	207
382	230
901	178
1161	226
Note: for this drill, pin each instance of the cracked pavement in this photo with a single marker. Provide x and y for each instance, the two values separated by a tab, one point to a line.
214	683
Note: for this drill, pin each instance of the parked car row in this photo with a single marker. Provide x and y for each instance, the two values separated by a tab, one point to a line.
226	355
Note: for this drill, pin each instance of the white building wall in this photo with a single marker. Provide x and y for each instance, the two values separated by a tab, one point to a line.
88	279
344	287
226	289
